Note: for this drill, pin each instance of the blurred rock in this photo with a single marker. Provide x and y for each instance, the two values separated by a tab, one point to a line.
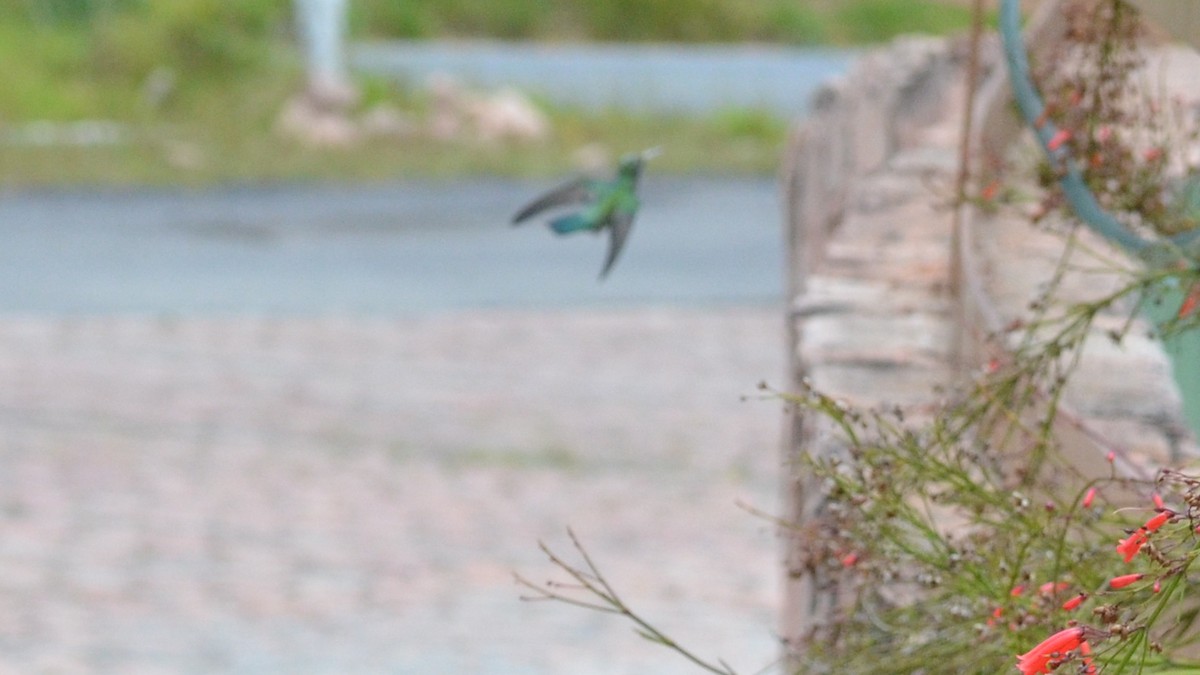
450	100
323	116
506	115
509	115
592	158
302	121
320	117
387	121
184	155
333	95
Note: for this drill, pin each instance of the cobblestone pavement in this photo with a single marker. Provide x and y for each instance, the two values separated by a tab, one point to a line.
327	495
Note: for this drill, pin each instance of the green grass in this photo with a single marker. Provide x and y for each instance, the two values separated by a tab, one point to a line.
732	141
233	65
786	21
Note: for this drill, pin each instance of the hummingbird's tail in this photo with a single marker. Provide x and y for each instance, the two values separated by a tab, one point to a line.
568	224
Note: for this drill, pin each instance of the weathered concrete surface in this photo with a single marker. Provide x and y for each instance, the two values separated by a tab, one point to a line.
353	496
871	259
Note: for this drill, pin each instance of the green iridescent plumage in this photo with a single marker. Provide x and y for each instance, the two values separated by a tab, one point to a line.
610	204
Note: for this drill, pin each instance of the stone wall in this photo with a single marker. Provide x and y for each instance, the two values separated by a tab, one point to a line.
856	124
896	293
869	246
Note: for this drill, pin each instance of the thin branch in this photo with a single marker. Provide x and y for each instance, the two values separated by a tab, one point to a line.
592	582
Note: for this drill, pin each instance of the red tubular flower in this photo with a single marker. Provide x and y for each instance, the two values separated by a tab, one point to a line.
1017	590
1158	501
1188	306
1051	587
1085	652
1037	660
1129	547
1056	141
1074	602
849	559
1124	580
1110	456
1189	301
1157	521
1089	498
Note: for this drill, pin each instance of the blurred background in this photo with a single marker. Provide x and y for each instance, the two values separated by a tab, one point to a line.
286	394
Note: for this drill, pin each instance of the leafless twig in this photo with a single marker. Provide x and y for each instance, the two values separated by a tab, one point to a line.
588	581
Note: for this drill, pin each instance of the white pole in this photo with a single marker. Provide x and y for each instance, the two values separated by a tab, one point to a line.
323	31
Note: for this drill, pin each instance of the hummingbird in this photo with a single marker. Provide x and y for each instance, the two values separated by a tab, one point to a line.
611	205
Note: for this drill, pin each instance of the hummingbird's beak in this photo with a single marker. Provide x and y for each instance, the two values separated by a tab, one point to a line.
651	153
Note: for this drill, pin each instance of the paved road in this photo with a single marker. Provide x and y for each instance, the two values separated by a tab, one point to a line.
324	495
383	250
670	78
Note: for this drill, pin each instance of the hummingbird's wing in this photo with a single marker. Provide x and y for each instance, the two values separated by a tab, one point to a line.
622	222
572	192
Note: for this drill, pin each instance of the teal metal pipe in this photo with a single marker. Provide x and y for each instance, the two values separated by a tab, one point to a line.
1081	199
1161	303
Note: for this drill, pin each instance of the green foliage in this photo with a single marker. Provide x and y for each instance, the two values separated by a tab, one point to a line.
789	21
64	12
67	60
27	65
879	20
792	23
674	20
751	124
405	20
785	21
195	37
510	20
